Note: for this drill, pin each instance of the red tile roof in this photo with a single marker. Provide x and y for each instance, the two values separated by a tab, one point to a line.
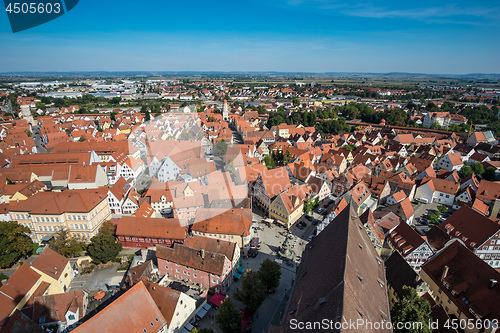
138	226
51	263
469	226
199	259
78	201
225	222
467	276
134	311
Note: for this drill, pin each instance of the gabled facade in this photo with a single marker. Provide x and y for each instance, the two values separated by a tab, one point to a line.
286	209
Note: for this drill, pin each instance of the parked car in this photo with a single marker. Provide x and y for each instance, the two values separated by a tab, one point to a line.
315	222
320	210
326	204
309	217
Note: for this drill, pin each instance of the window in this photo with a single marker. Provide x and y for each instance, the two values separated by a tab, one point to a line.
57	219
37	219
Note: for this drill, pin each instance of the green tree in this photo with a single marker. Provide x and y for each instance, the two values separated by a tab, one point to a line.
433	218
270	273
316	203
252	291
489	173
477	168
411	308
103	247
228	317
308	206
465	171
220	148
14	243
269	162
66	246
40	105
147	116
442	209
350	147
287	157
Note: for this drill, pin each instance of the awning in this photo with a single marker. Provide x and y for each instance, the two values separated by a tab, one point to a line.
188	327
184	330
207	306
237	275
240	269
217	299
240	261
201	312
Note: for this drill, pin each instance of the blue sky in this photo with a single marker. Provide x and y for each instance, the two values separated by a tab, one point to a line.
448	37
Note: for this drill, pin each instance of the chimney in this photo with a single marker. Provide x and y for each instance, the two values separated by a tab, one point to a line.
144	253
445	272
493	283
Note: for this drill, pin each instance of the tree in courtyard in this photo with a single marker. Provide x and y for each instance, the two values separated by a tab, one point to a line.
270	273
252	291
269	162
147	116
350	147
66	246
433	218
103	247
489	173
442	209
316	203
477	168
228	317
465	171
411	308
308	206
221	148
14	243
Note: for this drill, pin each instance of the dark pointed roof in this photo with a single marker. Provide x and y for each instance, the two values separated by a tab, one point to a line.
341	277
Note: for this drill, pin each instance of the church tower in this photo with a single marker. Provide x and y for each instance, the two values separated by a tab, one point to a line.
225	111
